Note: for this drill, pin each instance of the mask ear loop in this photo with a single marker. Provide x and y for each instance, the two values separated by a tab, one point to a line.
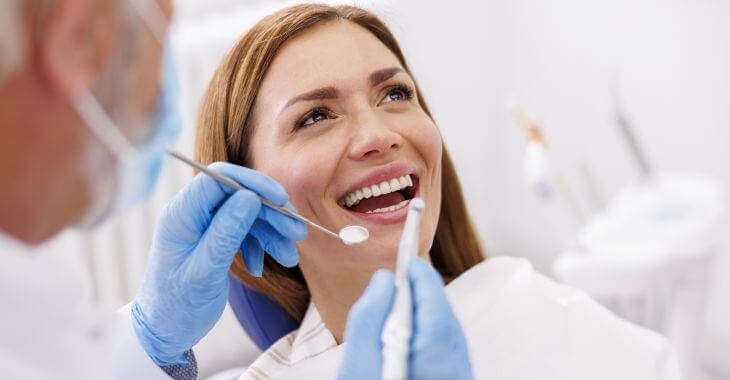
153	17
101	125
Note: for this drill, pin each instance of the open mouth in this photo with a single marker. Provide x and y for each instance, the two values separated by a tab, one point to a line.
384	197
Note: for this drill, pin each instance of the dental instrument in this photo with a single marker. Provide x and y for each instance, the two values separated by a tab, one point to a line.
538	170
349	235
628	131
397	330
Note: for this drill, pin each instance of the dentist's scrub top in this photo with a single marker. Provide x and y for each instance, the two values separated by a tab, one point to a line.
48	328
519	325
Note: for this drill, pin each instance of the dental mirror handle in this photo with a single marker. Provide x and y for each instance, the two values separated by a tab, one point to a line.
235	185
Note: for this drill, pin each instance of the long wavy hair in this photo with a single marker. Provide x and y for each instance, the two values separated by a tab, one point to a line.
224	134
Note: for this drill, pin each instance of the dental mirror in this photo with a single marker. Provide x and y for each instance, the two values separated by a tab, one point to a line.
354	235
349	235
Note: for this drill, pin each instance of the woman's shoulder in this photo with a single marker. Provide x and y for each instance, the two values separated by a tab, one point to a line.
526	325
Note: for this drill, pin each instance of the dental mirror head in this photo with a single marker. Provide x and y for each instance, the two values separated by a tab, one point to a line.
351	235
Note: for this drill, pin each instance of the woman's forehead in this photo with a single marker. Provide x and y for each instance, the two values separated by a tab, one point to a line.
338	53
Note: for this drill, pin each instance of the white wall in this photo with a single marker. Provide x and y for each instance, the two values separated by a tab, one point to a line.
560	58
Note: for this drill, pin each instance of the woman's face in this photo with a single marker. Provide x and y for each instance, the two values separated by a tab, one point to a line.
336	119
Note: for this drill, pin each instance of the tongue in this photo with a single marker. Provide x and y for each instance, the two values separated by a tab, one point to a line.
382	201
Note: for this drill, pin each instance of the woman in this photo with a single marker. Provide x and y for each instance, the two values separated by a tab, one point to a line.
320	99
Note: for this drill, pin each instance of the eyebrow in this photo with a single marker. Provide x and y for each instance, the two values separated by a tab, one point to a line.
382	75
318	94
330	92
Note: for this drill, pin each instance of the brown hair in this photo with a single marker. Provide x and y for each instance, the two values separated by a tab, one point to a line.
224	134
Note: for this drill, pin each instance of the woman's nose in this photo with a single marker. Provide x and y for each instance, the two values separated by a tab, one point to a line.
374	140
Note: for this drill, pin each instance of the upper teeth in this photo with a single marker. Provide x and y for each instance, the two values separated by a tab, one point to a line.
382	188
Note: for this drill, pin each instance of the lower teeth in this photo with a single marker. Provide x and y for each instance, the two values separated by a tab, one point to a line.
389	208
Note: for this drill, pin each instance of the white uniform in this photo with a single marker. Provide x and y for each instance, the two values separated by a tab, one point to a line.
48	329
519	326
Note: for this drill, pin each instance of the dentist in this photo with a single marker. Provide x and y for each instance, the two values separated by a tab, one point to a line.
86	116
87	107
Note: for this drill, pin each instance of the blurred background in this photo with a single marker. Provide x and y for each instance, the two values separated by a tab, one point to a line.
623	195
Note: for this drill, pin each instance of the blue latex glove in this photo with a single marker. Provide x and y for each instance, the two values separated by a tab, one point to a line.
198	234
438	347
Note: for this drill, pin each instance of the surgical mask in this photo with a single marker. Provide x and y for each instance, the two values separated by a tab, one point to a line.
137	166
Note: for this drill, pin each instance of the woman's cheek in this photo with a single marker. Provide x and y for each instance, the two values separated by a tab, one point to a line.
429	146
428	141
303	175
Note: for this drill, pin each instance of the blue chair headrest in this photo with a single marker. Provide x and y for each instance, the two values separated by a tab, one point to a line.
262	318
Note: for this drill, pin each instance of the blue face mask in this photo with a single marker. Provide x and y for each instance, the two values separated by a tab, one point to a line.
137	167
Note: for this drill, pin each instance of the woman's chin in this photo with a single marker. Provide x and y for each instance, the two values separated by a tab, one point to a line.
384	253
380	249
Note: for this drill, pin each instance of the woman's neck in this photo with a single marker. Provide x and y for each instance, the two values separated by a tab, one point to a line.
334	294
336	287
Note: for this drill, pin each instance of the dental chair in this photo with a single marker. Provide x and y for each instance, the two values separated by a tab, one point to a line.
263	320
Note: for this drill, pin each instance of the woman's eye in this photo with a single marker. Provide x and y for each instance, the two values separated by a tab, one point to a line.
398	93
313	118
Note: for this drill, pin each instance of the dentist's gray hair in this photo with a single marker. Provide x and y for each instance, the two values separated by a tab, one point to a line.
11	40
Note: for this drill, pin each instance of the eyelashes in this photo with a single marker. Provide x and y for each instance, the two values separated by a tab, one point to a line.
396	93
314	116
405	91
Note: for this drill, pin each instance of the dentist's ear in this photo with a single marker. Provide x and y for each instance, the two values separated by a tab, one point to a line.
73	41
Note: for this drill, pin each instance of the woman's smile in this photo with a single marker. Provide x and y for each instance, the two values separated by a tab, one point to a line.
382	196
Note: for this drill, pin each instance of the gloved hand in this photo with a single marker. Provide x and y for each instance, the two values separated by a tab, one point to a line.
438	347
198	234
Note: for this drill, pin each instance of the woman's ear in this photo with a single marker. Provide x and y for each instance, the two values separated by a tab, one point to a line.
73	41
